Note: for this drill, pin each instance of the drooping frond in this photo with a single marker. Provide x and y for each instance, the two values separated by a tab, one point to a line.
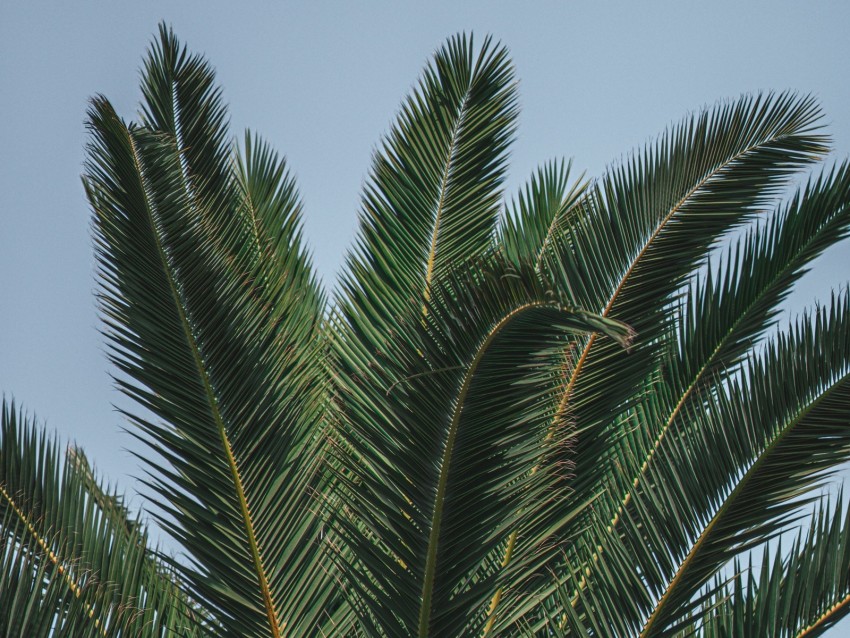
672	202
724	315
722	318
727	312
729	479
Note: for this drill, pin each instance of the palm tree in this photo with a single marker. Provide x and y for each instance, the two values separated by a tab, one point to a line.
571	414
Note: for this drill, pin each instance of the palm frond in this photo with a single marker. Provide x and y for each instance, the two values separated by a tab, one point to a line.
729	481
182	100
211	343
672	202
270	201
75	562
801	592
433	197
789	415
536	214
726	313
571	421
650	225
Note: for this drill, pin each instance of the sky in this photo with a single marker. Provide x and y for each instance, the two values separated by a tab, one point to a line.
322	81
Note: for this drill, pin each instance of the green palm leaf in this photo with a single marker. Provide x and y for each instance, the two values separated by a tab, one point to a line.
721	324
792	434
670	206
537	214
434	195
731	480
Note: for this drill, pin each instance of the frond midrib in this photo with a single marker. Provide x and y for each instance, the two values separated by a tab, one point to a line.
564	208
824	617
441	199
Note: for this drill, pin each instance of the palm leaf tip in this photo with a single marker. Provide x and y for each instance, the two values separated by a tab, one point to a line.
434	194
619	331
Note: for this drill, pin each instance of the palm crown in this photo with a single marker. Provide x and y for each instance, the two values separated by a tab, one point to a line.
569	415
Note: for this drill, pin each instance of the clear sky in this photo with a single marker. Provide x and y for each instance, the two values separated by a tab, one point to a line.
322	81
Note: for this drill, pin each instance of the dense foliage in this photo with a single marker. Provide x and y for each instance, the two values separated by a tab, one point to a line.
573	413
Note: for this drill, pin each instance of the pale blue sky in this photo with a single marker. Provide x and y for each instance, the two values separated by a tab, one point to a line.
322	81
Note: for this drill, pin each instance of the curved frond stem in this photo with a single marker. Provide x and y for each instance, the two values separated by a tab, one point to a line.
627	497
506	560
830	227
436	517
497	597
508	554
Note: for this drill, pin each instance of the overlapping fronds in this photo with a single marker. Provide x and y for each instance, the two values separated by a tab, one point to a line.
701	440
801	592
439	433
579	419
650	225
645	229
778	433
722	318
